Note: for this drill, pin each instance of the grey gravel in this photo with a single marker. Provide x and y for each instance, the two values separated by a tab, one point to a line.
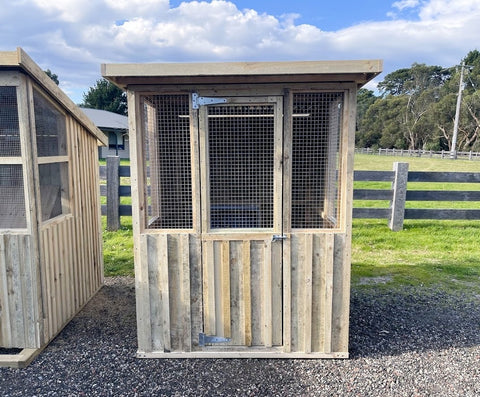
407	342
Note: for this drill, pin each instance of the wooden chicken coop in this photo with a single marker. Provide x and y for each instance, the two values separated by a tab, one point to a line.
242	201
50	234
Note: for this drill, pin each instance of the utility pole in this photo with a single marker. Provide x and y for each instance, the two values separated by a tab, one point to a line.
453	153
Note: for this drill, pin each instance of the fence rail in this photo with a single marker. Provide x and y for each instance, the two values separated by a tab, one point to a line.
444	154
398	194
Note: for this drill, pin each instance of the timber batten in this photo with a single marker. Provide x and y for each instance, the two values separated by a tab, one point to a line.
50	242
241	195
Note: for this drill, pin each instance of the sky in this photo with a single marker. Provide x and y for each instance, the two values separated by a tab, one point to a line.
73	38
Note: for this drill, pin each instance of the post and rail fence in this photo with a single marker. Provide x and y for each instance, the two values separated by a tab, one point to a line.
398	194
443	154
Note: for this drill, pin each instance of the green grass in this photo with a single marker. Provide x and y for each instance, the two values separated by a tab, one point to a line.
118	249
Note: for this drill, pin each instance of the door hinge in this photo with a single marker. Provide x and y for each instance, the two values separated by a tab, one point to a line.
198	101
207	339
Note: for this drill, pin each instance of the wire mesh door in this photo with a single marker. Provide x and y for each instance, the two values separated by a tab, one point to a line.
241	169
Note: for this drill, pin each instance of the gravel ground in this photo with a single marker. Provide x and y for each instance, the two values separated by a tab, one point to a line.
410	342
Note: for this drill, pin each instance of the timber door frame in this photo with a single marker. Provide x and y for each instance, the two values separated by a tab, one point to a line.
233	252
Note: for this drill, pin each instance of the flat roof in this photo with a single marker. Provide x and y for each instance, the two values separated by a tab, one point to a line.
19	59
126	74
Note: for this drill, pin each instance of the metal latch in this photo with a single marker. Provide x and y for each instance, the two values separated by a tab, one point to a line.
207	339
278	237
204	100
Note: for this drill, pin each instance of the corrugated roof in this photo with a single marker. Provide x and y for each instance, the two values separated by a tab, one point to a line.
106	119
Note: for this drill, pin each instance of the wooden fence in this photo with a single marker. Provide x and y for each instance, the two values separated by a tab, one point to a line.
444	154
397	194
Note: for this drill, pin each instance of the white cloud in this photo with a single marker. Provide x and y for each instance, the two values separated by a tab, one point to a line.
403	4
73	37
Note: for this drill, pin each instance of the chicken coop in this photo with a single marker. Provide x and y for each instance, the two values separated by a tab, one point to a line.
242	200
50	233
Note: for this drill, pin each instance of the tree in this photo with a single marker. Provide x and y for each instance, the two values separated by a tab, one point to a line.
365	98
53	76
106	96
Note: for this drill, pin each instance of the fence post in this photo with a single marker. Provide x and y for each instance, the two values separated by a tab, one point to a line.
399	187
113	197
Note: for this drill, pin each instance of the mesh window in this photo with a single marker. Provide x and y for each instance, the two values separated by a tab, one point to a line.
241	163
317	119
53	189
50	128
12	203
9	126
168	162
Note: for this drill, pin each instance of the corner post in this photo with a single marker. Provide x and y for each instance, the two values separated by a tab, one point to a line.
113	190
399	187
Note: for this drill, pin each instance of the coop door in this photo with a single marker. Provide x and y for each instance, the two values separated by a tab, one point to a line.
242	236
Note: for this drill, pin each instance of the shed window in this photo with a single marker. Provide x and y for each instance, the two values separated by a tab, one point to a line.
315	159
167	166
12	193
50	127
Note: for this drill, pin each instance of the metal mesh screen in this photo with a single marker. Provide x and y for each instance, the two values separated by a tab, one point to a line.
12	202
241	163
168	162
315	149
50	128
9	126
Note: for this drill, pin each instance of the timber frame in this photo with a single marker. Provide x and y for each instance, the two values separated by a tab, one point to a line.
242	232
51	261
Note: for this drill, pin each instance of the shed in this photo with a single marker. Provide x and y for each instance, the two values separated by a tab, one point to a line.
115	127
50	233
242	202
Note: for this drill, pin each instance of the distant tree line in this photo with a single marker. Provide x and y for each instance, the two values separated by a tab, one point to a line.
416	108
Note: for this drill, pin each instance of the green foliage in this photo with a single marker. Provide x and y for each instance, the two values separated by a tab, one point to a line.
106	96
53	76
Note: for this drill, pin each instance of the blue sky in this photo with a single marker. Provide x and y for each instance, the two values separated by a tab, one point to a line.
73	37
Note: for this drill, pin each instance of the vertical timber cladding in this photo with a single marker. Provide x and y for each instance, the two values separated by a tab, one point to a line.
222	251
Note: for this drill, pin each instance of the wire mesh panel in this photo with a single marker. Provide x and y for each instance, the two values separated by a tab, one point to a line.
9	126
241	165
50	128
168	171
12	202
317	120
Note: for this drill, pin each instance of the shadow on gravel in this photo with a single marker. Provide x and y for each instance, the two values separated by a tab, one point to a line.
417	319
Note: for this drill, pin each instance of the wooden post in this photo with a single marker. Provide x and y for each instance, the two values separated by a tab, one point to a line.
113	197
399	187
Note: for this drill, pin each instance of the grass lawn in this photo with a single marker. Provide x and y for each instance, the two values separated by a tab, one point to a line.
428	253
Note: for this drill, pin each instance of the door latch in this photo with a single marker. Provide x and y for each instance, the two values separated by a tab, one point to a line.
279	237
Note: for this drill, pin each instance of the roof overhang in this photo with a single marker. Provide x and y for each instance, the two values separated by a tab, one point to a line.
19	60
359	72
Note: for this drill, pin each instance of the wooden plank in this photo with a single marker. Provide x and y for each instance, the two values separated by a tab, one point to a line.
6	316
146	255
246	293
373	213
186	320
287	296
442	195
379	176
277	294
267	295
372	194
163	284
209	288
453	177
442	214
225	286
327	276
196	293
251	353
307	284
